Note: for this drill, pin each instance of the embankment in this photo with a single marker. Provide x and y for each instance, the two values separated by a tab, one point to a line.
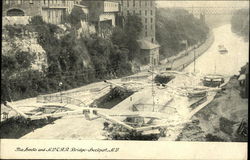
219	120
184	58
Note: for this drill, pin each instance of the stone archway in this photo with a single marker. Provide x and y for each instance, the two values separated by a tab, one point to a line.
15	12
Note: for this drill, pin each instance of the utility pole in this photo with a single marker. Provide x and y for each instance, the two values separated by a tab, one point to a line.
194	58
153	92
215	67
186	46
60	85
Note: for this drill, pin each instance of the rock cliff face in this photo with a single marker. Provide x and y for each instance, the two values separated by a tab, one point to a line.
26	42
29	45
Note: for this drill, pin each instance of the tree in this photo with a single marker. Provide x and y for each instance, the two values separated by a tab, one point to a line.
14	30
9	64
119	37
119	61
24	59
36	20
75	17
175	25
133	28
240	22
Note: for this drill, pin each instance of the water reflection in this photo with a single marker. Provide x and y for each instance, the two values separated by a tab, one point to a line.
226	64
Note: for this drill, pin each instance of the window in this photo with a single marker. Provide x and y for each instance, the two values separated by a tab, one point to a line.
145	12
128	3
146	3
151	27
151	12
44	1
133	2
151	20
49	14
152	40
133	12
127	12
146	27
146	20
140	3
146	33
140	12
151	3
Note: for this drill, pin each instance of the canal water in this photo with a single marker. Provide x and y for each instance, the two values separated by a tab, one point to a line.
212	62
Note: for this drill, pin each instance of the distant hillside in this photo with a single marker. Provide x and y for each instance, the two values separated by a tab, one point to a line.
174	26
240	23
214	21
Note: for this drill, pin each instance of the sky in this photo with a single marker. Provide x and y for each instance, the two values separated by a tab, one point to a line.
199	3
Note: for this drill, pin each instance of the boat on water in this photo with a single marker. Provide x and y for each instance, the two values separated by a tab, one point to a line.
222	49
213	80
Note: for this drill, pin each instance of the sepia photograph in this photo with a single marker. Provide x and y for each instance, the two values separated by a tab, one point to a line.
125	70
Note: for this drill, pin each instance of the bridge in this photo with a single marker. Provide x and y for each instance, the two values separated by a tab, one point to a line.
213	10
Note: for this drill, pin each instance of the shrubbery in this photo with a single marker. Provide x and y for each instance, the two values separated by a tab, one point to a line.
71	60
240	22
14	30
75	17
175	25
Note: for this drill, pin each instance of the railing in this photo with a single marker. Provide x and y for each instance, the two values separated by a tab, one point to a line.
145	107
60	99
201	48
111	7
153	108
139	77
197	103
55	5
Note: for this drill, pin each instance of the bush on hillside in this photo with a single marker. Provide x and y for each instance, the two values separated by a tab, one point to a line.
240	22
14	30
175	25
75	17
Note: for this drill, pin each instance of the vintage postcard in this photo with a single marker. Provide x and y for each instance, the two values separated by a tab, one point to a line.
122	79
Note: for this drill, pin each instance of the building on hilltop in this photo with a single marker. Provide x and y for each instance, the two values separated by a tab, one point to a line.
102	13
145	9
52	11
